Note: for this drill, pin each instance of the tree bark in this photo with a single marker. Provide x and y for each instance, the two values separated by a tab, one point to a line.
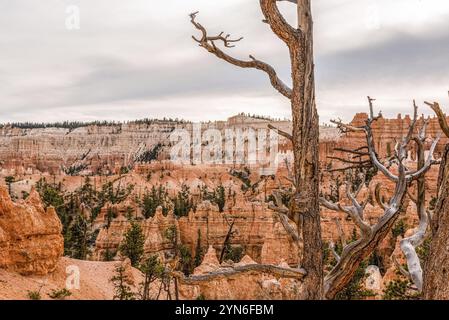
436	273
304	207
305	148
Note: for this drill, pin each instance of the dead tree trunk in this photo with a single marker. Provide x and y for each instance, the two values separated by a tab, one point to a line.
227	241
436	272
409	245
354	253
305	149
304	208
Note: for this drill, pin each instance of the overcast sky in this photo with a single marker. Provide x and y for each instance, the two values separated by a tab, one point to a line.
133	59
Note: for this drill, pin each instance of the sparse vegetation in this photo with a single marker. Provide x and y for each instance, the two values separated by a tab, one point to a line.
217	196
34	295
60	294
399	229
157	197
72	125
399	290
233	253
77	210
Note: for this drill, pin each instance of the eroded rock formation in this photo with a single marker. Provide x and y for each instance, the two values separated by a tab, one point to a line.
256	230
30	237
155	231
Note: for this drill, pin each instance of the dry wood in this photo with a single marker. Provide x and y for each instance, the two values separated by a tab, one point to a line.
235	271
304	206
436	284
354	253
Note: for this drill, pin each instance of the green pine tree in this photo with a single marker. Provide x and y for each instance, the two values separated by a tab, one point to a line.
121	284
199	254
77	242
9	180
133	244
152	269
220	198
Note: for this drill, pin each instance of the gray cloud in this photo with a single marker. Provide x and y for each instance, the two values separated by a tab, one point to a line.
137	59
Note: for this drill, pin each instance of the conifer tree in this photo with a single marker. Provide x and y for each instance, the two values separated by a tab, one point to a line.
133	244
220	198
121	284
152	269
198	251
9	181
78	238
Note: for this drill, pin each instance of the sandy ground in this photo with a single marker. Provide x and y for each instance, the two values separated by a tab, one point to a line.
94	281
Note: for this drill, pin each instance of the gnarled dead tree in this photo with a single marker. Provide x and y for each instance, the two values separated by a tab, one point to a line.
409	245
354	253
304	208
436	284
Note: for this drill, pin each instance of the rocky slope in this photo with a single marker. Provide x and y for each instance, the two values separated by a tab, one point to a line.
94	281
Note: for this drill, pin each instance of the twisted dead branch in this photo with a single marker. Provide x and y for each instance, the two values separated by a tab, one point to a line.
210	44
354	253
409	245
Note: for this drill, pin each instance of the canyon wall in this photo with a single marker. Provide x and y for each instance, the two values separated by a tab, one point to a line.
101	148
107	148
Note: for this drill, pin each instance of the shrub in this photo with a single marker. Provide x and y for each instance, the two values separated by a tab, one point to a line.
60	294
34	295
399	290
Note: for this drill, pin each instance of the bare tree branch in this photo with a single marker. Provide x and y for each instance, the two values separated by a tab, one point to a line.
428	164
341	233
349	161
346	127
365	166
371	236
209	43
441	117
401	269
282	213
334	253
408	246
352	211
280	132
378	196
